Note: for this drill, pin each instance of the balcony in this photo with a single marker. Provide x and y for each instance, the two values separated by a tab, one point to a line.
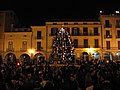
117	26
84	46
10	49
39	49
96	46
118	36
38	37
107	36
23	49
86	34
111	48
108	26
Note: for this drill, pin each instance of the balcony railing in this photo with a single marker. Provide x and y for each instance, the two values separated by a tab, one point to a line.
83	46
111	48
108	26
118	36
117	26
40	49
10	49
38	37
86	34
107	36
23	49
81	34
97	46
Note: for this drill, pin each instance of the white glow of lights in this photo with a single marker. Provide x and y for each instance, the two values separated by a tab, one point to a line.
100	11
117	12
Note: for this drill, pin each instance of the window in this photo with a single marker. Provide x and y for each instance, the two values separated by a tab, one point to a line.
54	31
108	45
85	43
75	31
117	23
95	30
39	34
118	44
107	33
10	45
85	31
38	46
107	23
96	43
118	33
67	29
76	43
24	45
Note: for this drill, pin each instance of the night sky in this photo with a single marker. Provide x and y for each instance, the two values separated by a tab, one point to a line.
35	12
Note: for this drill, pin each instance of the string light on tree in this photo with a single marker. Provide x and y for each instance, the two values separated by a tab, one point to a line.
62	47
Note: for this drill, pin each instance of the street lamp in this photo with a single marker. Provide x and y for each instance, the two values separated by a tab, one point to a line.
90	50
31	51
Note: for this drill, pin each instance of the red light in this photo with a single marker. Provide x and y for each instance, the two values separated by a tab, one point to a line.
18	64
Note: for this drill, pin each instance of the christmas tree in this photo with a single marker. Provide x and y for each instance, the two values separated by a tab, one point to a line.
62	48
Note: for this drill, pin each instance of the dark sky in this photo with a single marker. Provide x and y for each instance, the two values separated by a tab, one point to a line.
34	12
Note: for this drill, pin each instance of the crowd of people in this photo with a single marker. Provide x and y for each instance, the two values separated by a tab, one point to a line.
100	75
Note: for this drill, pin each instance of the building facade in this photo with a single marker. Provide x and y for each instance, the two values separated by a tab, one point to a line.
92	39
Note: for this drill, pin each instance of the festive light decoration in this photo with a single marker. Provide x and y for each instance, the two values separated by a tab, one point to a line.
62	48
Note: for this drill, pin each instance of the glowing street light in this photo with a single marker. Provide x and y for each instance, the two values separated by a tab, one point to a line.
90	50
31	51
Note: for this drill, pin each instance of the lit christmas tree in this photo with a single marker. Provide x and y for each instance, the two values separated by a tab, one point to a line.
63	48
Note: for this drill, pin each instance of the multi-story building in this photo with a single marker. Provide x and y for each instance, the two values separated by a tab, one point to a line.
110	35
94	39
8	20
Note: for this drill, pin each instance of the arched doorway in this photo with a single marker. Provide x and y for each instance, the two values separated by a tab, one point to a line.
117	56
25	59
10	58
38	58
96	56
108	56
85	56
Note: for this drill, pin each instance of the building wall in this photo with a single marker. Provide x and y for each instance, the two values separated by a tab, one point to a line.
80	25
6	21
47	39
113	32
42	40
17	38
